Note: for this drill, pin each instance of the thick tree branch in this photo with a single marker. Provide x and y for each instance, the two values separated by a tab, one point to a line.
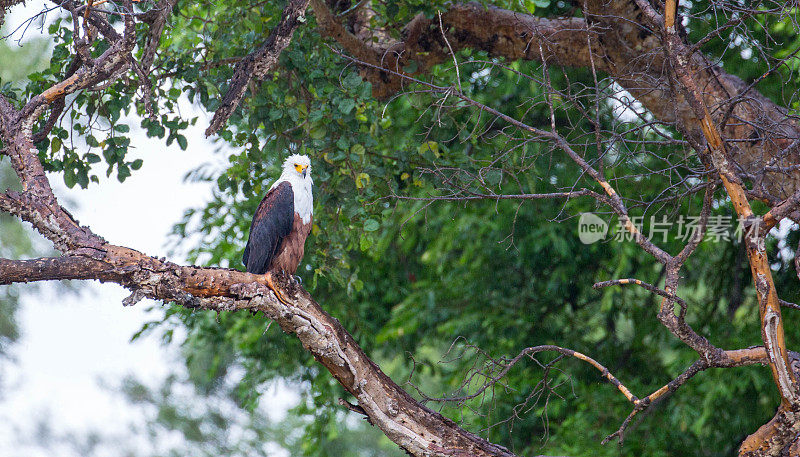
777	435
625	47
773	437
500	32
124	266
329	25
6	5
257	64
414	427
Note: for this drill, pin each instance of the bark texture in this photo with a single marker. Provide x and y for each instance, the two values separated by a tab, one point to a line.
405	421
86	255
625	47
751	140
257	64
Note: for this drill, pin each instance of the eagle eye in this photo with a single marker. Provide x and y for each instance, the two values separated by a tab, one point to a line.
298	167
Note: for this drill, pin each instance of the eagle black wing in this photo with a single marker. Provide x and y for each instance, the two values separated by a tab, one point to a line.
271	223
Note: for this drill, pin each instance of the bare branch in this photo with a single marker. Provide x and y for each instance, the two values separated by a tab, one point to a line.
614	199
108	64
781	210
770	310
729	359
503	366
650	287
468	196
158	21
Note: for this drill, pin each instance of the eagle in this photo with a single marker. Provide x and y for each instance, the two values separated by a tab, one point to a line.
282	223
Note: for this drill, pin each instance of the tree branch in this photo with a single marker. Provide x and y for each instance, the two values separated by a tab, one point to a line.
108	64
257	64
411	425
774	436
158	21
414	427
771	438
621	44
501	32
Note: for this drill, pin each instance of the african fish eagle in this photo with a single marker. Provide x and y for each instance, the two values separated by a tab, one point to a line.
282	222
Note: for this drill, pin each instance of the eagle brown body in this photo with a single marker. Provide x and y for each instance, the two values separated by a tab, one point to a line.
291	249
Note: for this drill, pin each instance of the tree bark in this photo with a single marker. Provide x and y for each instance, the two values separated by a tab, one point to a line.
624	47
258	63
613	38
414	427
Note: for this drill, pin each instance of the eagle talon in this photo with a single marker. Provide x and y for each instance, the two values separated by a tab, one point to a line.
275	289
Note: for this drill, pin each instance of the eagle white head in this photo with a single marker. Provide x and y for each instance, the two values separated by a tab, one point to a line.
299	164
297	171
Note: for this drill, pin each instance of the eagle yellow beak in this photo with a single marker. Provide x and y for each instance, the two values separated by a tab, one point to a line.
301	169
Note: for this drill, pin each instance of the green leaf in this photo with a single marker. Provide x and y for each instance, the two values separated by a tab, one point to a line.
529	5
123	172
55	145
182	142
365	243
351	81
319	133
428	147
69	177
346	105
83	178
371	225
357	149
362	180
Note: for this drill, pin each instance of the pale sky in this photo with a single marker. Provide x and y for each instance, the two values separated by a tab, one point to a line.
70	341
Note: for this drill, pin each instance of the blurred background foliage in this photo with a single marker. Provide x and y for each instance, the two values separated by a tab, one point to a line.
420	284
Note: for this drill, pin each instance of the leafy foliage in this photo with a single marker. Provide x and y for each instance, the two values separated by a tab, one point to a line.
419	283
